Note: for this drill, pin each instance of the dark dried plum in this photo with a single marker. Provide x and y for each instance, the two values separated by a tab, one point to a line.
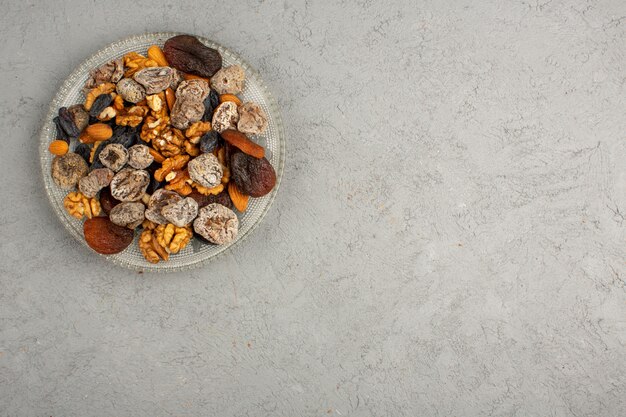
67	122
222	198
102	102
124	135
83	150
209	141
60	133
254	176
107	202
210	103
186	53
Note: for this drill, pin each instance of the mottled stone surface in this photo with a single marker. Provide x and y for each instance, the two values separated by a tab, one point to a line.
449	238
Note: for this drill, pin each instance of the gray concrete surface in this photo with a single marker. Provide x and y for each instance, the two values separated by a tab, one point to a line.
449	239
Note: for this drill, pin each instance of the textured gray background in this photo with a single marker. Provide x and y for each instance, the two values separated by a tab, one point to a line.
449	238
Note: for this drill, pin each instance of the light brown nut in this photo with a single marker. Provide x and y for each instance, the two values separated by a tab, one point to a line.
229	80
252	119
172	238
79	206
146	248
217	224
129	184
68	169
170	164
225	117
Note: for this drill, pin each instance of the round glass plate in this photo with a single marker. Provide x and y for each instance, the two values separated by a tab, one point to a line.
197	252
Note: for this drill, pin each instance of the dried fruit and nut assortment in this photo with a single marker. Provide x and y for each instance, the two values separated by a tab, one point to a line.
164	144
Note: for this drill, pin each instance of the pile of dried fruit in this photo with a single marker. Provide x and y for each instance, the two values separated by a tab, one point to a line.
161	143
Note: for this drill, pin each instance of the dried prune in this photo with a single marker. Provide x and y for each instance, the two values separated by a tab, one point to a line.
60	133
253	176
125	135
107	202
210	104
188	54
101	102
68	169
217	224
209	141
67	122
105	237
79	115
84	150
222	198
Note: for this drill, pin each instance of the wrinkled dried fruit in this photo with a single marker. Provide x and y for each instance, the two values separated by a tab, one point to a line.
67	122
217	224
155	79
189	106
68	169
139	157
95	181
124	135
114	156
253	176
60	133
210	104
83	150
128	214
204	200
107	201
209	141
100	103
206	170
158	200
181	212
252	119
131	90
229	80
105	237
188	54
225	117
242	143
129	184
240	200
79	116
111	72
58	147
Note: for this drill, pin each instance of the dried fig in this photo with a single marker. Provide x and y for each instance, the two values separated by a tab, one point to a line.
68	169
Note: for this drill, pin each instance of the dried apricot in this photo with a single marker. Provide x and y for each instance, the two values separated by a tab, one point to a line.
240	200
242	142
105	237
